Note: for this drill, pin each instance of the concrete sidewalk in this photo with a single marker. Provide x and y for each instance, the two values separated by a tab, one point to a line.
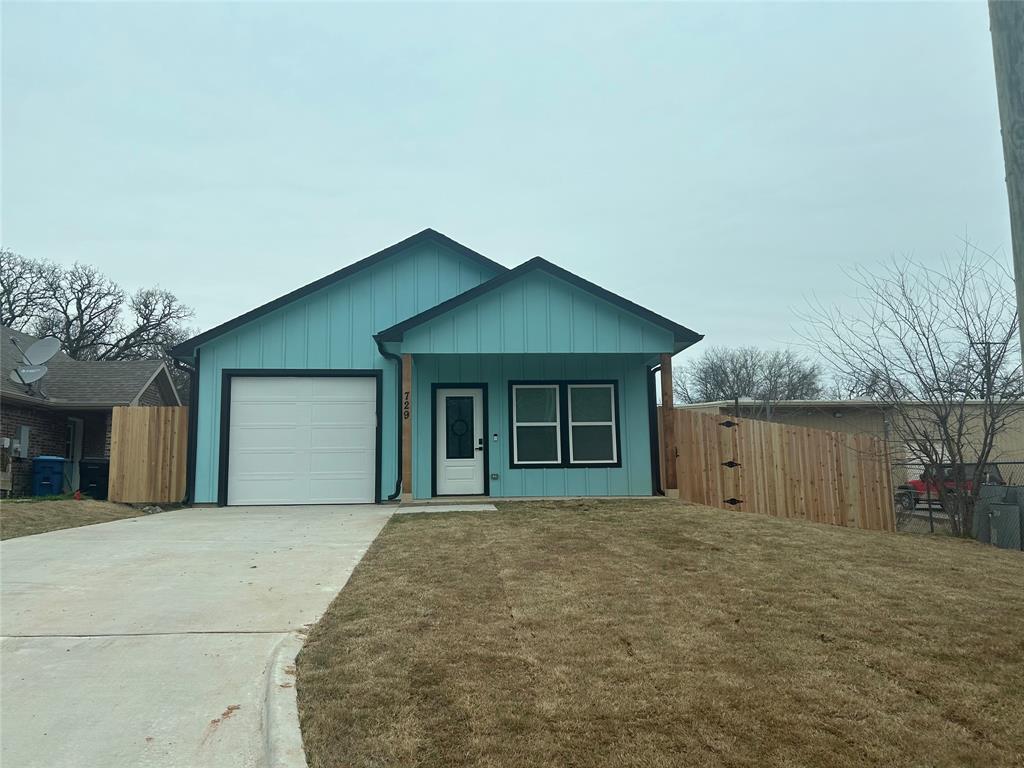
167	640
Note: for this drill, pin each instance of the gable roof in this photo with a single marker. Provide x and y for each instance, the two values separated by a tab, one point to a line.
186	349
683	336
79	383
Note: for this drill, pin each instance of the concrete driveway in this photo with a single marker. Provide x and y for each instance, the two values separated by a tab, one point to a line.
167	640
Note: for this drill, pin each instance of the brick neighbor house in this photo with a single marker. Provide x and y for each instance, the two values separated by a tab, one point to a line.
68	412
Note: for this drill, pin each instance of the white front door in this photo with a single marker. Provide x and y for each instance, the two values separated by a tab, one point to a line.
459	447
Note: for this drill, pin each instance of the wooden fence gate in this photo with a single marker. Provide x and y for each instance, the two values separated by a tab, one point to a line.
784	471
148	448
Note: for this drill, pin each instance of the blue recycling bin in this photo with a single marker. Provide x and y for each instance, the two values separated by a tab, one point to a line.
47	475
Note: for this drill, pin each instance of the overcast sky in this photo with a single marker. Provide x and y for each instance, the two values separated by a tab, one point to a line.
716	163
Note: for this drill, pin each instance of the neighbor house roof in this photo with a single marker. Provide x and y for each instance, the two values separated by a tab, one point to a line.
73	383
187	348
683	336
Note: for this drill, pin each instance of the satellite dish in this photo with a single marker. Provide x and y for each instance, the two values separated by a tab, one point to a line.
41	351
26	374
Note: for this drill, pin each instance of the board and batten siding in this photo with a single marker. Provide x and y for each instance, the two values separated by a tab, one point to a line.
633	478
537	313
332	328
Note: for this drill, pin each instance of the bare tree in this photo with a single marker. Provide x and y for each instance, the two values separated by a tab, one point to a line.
23	288
937	348
83	310
91	315
748	373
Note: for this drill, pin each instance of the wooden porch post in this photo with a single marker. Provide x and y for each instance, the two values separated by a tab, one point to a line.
668	428
406	427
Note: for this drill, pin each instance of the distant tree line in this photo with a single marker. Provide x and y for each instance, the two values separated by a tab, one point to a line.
758	377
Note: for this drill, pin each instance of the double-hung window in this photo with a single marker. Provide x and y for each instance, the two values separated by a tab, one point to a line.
592	438
564	424
536	425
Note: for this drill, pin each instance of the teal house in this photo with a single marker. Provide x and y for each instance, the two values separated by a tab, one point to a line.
429	370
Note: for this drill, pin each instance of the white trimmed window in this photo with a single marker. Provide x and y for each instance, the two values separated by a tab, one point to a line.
592	434
536	425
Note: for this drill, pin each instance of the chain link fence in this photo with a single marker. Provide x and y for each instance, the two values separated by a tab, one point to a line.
997	515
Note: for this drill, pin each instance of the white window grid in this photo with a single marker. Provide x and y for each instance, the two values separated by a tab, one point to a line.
615	442
557	424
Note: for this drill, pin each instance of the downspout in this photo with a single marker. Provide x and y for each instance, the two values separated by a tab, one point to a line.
398	413
193	422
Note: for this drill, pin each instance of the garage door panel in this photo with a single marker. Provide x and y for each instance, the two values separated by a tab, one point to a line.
302	440
341	438
264	490
247	465
269	412
360	413
340	462
332	491
275	437
270	388
359	390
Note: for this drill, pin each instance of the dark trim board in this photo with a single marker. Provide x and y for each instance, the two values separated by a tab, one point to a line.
186	348
433	435
563	416
289	373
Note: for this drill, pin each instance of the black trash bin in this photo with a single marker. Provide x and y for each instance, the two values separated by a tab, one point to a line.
94	476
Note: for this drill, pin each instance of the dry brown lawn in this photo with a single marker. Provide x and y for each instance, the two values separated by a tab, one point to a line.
27	517
653	633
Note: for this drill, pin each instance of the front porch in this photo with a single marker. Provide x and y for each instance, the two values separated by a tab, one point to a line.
469	433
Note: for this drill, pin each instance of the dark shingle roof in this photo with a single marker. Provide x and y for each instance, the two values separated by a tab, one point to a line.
75	382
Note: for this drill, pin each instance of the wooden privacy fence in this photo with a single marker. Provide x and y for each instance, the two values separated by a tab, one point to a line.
148	448
784	471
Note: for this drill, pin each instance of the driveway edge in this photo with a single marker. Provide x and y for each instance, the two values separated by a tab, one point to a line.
282	737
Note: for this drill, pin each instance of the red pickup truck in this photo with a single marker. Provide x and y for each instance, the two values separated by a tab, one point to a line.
925	488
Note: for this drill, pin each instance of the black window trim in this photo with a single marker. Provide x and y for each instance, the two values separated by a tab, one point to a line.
564	426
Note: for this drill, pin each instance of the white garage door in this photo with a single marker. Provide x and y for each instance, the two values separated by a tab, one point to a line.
302	440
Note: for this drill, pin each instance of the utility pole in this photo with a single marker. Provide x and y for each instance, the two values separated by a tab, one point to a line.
1006	22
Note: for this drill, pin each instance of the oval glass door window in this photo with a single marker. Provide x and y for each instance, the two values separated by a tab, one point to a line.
459	427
